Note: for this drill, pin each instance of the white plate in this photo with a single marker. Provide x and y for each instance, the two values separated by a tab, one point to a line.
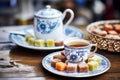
70	31
103	67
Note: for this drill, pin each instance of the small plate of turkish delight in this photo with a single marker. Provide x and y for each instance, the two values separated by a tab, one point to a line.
29	41
57	63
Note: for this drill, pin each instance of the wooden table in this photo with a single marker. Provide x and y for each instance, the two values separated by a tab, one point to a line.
30	66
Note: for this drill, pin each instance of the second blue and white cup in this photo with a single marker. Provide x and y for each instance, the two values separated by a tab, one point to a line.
78	50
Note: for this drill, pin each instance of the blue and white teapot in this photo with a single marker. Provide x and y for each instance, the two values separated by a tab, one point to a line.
48	24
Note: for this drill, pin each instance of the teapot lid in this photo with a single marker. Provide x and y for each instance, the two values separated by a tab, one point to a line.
48	12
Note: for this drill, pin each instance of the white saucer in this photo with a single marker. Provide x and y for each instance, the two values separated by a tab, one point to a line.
70	31
103	67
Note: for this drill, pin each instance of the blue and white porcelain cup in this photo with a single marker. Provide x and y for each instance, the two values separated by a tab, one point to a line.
48	23
78	50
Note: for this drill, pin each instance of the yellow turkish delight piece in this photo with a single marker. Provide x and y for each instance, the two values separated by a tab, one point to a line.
39	42
50	43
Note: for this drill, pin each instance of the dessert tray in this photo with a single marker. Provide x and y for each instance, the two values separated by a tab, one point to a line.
109	40
18	39
103	67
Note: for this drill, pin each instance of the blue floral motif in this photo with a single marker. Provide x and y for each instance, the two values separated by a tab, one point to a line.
73	57
46	26
42	26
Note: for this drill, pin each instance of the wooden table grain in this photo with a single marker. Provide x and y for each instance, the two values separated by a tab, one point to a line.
31	61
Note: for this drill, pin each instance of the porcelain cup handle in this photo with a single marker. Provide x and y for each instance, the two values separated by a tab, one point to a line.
95	49
71	16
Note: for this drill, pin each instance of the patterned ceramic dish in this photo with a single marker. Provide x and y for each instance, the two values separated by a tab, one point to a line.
18	39
103	67
109	44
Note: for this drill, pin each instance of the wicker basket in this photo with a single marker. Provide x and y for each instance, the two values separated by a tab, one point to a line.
104	43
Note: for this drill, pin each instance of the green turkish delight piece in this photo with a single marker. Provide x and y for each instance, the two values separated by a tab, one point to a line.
27	37
31	41
93	65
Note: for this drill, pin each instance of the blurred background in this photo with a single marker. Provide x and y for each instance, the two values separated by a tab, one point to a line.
21	12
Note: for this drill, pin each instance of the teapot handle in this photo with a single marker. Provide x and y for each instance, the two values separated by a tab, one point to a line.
70	19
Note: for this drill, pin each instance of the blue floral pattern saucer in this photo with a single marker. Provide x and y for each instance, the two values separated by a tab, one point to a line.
70	31
103	67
